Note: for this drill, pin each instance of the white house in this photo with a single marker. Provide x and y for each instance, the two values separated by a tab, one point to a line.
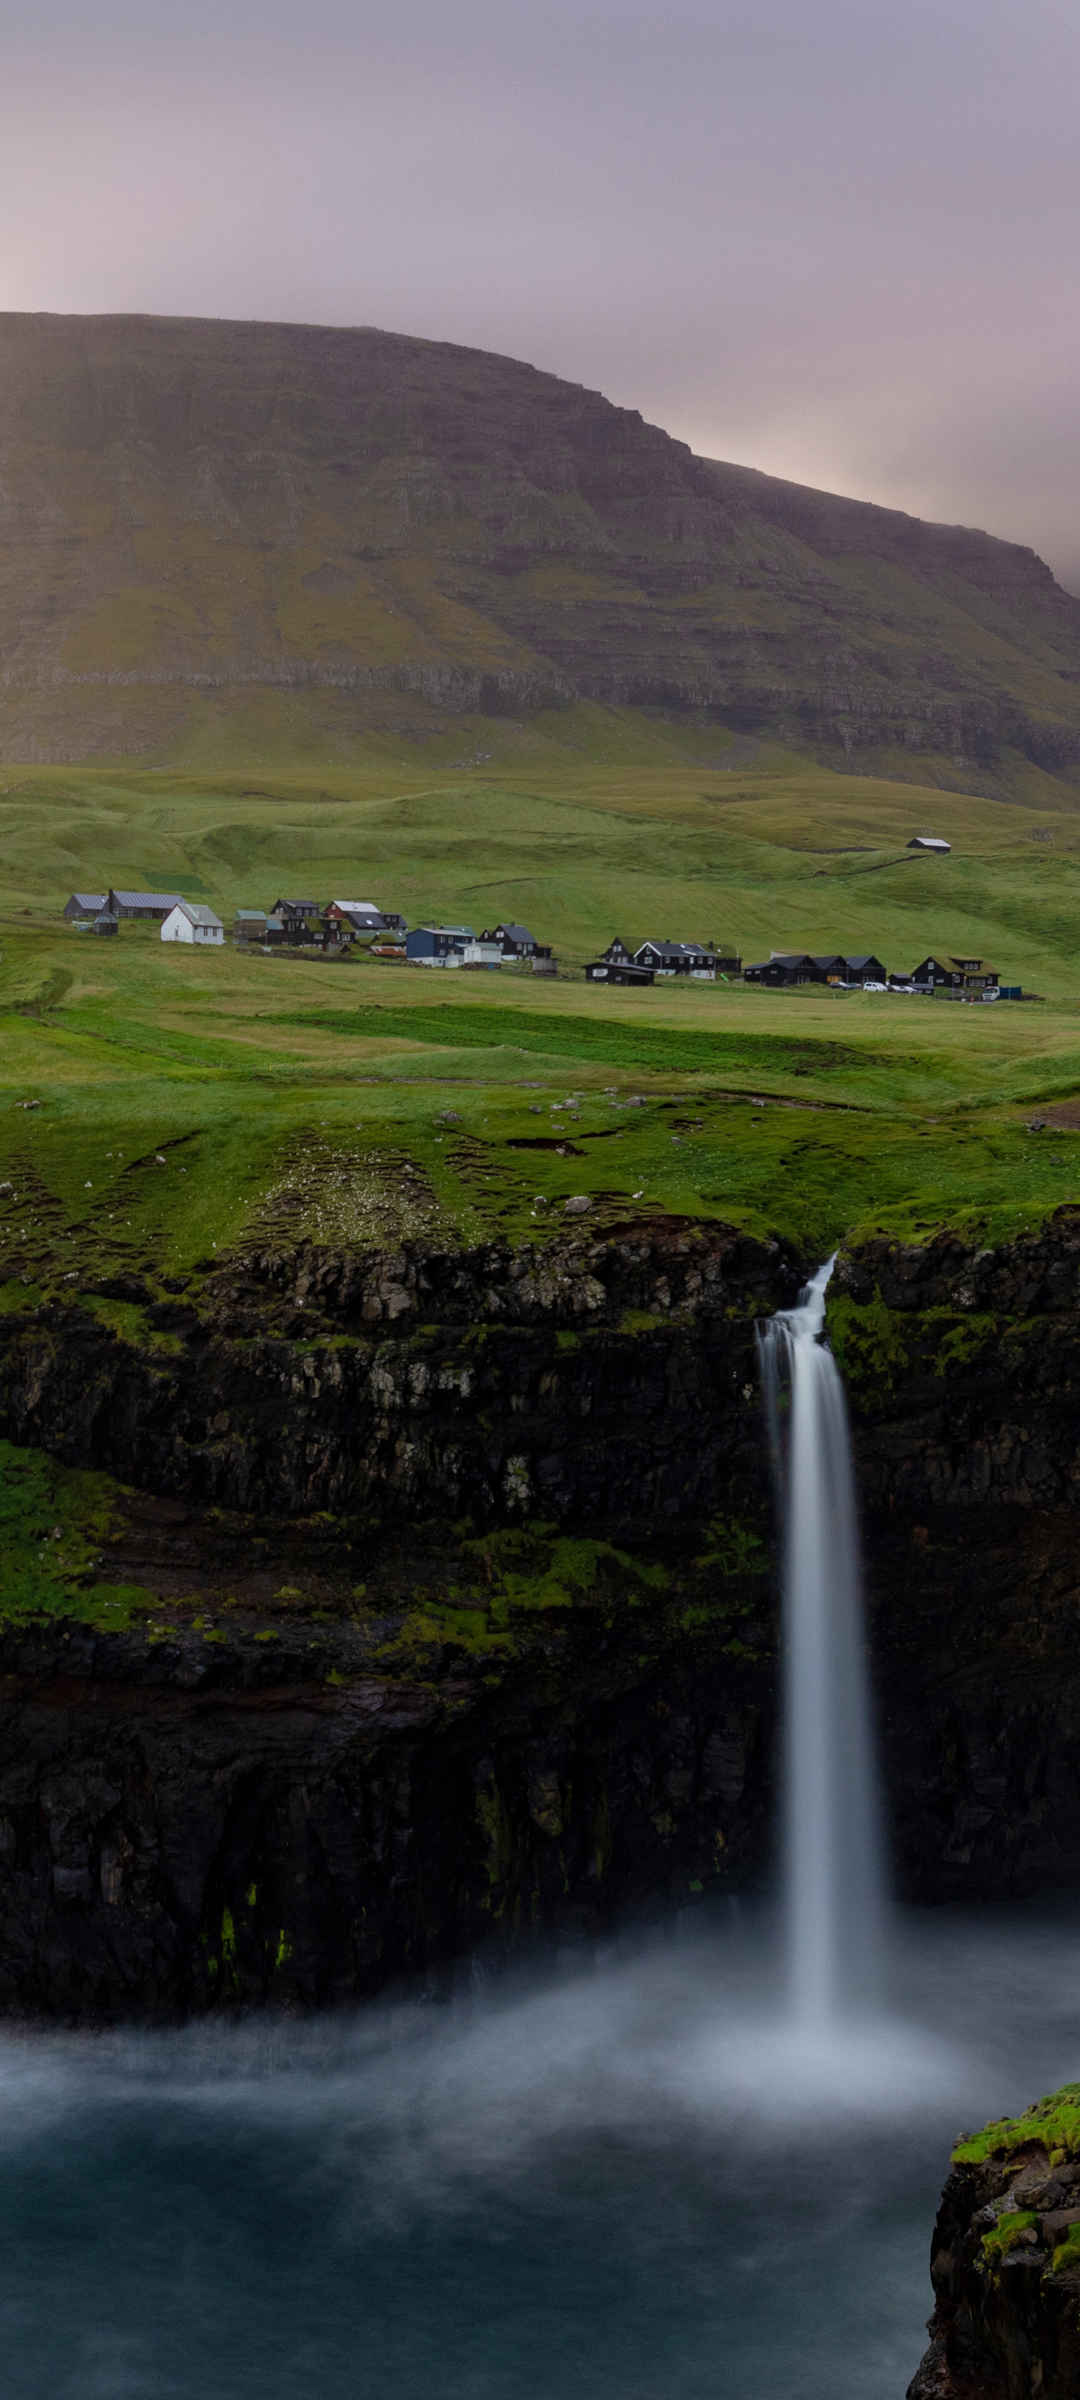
190	922
481	953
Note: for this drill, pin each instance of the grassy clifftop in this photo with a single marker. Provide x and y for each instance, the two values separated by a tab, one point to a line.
187	1101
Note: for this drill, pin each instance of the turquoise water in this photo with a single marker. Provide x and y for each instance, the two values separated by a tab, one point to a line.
629	2181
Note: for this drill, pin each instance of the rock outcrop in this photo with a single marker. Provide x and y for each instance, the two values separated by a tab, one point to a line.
1005	2263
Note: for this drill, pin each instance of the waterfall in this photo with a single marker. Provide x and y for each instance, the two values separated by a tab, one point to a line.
832	1849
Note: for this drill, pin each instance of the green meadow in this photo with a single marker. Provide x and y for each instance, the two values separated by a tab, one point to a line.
191	1106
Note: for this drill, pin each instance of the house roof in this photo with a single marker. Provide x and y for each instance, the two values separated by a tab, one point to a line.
929	841
359	908
89	900
862	958
197	913
148	899
516	933
258	914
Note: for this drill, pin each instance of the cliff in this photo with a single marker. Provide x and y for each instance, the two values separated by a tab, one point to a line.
207	524
362	1610
1006	2263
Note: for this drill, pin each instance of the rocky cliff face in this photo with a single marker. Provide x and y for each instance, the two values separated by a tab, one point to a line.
1006	2264
455	1616
395	531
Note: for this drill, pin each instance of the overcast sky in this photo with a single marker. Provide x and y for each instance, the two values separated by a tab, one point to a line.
839	241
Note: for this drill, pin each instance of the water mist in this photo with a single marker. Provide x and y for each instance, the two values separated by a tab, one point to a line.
832	1848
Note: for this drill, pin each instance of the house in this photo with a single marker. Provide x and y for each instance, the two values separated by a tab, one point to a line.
677	958
830	966
617	970
249	924
932	974
617	954
104	923
345	919
928	841
783	969
972	978
153	907
516	942
189	921
864	968
482	951
299	919
83	907
437	945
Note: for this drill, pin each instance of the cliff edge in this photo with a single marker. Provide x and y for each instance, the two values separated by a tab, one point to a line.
1005	2263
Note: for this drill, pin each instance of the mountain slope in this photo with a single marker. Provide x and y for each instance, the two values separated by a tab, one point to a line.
196	516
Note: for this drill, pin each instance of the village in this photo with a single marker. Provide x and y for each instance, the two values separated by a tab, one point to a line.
336	928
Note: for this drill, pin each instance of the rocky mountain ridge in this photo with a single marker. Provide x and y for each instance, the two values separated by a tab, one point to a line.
197	516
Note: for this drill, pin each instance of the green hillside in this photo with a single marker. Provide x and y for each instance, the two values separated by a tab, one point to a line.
192	1105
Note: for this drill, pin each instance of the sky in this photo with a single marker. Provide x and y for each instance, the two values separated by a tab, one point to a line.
836	242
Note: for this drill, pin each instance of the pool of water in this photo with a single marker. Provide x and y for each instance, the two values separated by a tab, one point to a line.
628	2180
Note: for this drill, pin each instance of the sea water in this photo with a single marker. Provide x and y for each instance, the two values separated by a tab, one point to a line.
634	2180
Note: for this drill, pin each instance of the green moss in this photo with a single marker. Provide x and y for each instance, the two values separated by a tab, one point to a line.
1053	2121
997	2244
515	1574
1067	2253
733	1547
53	1520
17	1297
493	1819
962	1339
870	1342
601	1837
130	1324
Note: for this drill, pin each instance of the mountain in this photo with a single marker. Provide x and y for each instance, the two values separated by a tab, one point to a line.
226	533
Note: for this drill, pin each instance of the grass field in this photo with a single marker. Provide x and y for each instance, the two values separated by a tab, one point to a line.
194	1103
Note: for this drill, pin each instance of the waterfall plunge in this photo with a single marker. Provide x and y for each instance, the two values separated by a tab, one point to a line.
833	1873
